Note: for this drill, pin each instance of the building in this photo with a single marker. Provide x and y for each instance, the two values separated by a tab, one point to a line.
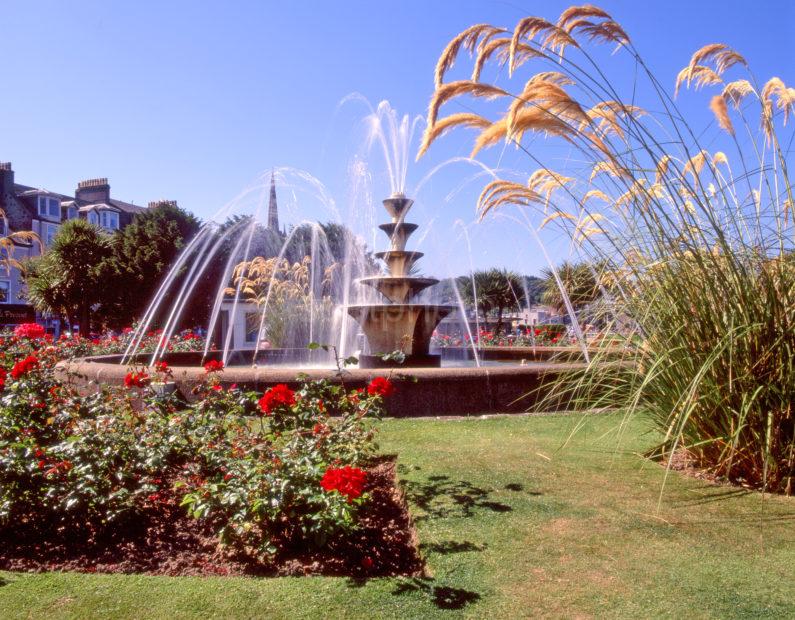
43	211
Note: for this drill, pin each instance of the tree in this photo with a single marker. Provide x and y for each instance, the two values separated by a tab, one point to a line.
496	290
579	282
143	254
9	242
69	279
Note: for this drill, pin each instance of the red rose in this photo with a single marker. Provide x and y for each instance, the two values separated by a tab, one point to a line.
29	330
278	396
380	386
23	367
136	379
213	366
367	563
348	481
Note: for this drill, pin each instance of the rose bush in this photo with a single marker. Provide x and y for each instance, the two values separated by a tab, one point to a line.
267	471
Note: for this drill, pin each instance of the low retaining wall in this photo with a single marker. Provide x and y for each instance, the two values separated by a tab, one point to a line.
420	391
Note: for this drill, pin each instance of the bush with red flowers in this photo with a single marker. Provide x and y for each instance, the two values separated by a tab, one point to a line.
347	481
29	330
278	396
380	386
136	379
69	460
213	366
23	367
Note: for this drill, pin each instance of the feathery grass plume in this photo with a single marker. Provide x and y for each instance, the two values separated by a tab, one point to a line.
527	119
553	216
485	52
695	164
545	182
449	91
720	158
500	192
595	193
544	91
610	167
737	91
579	12
605	117
528	27
441	126
719	54
721	111
467	39
785	99
700	74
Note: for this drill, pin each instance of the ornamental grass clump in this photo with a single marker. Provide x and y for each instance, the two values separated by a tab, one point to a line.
691	245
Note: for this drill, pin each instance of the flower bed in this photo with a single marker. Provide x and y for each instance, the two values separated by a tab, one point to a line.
540	336
134	479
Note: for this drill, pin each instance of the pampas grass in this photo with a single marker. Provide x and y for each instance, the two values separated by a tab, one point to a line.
693	247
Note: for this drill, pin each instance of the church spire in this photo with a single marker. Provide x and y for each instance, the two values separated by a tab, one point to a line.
273	208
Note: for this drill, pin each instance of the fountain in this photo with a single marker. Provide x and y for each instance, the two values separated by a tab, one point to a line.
400	326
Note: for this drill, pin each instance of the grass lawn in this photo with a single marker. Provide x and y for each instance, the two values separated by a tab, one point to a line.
512	526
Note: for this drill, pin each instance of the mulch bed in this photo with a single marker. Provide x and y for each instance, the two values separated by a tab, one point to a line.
168	542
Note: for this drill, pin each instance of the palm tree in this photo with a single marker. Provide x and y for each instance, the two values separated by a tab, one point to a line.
71	277
10	242
496	291
579	281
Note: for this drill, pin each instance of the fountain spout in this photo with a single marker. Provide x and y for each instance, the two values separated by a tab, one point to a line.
399	325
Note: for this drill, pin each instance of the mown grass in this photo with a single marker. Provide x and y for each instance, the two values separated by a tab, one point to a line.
511	527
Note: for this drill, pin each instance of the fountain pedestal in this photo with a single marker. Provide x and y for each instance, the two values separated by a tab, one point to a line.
399	326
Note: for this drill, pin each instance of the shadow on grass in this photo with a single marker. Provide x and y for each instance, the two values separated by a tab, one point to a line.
451	546
442	497
443	597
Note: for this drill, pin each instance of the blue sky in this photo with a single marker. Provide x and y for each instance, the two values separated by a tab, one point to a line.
193	100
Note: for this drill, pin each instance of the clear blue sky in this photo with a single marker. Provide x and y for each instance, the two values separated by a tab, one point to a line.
191	100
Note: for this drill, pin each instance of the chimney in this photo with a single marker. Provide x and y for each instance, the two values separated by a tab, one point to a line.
162	203
6	181
93	190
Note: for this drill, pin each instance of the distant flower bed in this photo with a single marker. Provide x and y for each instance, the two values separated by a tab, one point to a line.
541	336
264	472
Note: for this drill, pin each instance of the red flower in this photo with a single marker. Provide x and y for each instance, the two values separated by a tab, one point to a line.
228	477
136	379
380	386
217	387
278	396
318	429
29	330
348	481
2	379
367	563
213	366
24	366
162	367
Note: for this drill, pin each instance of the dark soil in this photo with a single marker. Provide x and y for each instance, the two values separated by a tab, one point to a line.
168	542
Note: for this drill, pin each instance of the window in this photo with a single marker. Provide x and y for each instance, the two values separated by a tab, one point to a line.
252	326
71	213
93	218
50	207
5	291
109	219
50	230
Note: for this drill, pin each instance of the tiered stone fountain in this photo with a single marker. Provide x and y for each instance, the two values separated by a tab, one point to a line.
398	326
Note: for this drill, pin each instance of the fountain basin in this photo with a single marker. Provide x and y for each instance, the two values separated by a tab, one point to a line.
398	289
399	327
420	391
